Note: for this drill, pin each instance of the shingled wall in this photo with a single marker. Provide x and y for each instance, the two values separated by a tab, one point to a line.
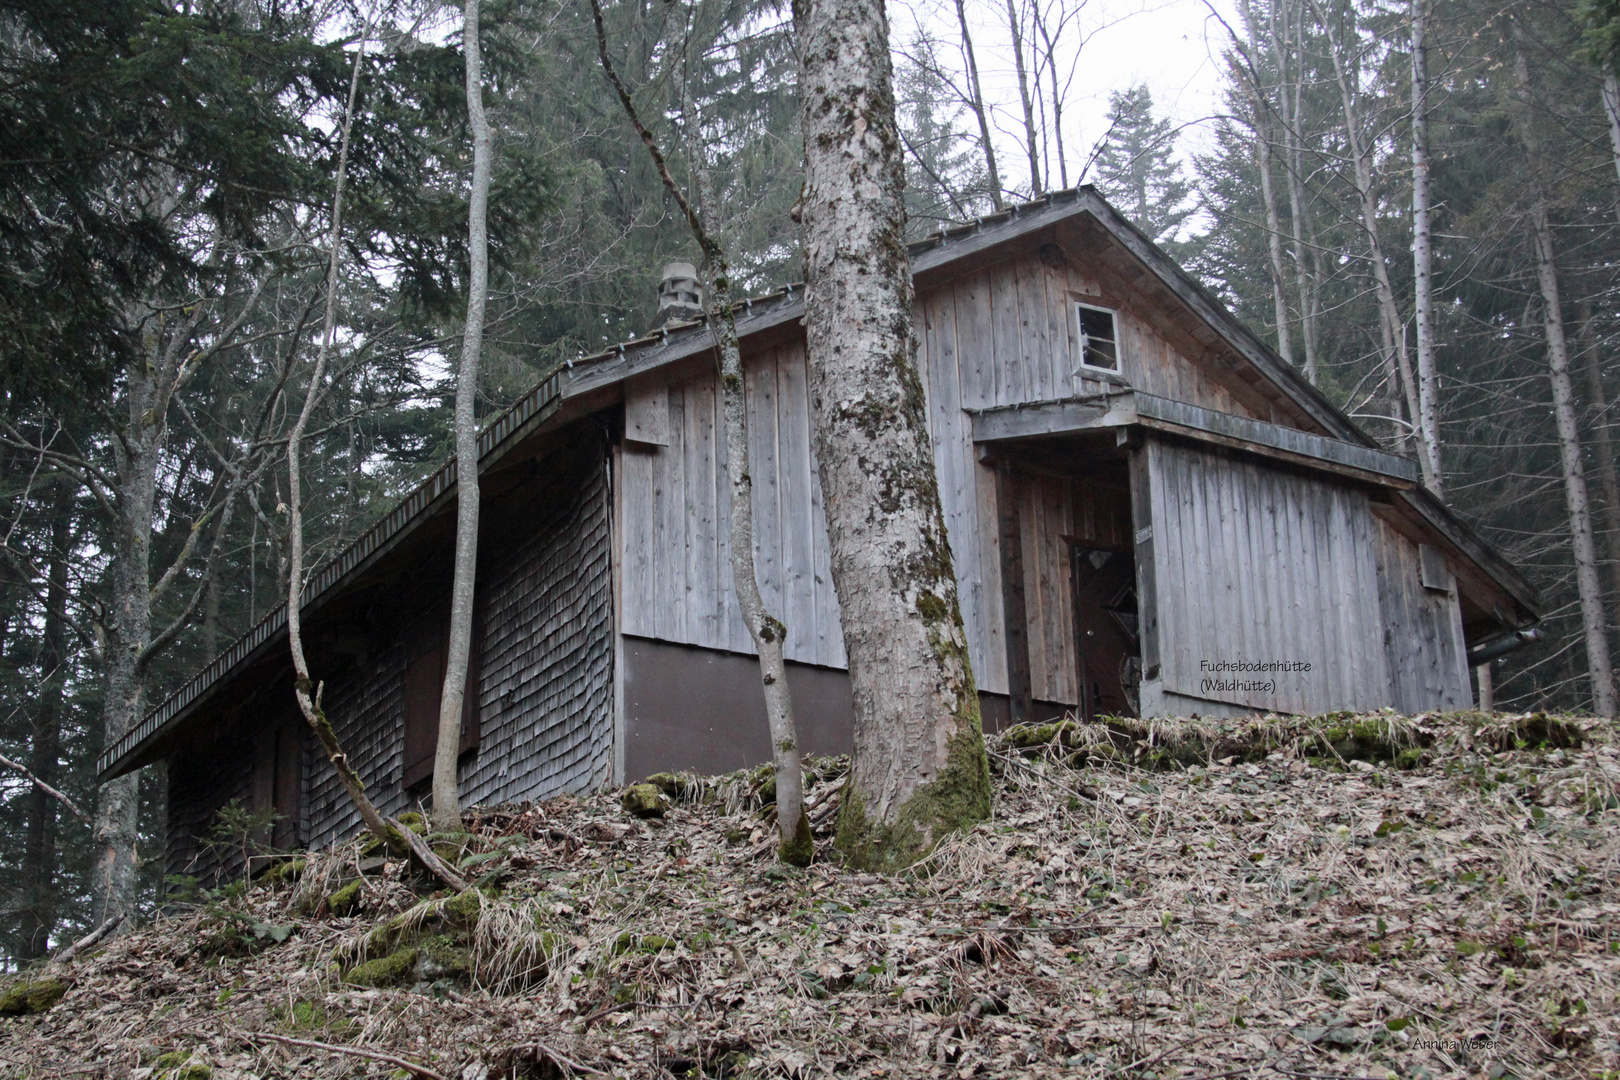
545	696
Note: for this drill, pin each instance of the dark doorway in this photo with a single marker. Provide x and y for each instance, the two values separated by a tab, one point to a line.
1108	651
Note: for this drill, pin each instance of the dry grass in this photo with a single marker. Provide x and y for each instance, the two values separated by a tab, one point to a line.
1282	914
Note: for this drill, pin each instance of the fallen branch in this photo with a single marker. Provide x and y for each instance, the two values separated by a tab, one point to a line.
47	789
430	858
570	1065
94	936
376	1055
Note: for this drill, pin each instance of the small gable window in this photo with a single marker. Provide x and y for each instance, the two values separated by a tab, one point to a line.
1099	338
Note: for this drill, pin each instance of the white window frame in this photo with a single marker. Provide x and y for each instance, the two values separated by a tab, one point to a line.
1080	339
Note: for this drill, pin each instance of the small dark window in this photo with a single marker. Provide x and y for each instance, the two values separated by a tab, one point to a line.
424	682
1099	342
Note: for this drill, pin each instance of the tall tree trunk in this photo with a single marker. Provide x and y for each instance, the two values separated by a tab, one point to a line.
794	842
307	693
1030	130
1260	104
446	800
1307	269
1569	447
1397	367
129	631
1576	502
39	844
919	765
977	105
1057	95
1602	441
1422	258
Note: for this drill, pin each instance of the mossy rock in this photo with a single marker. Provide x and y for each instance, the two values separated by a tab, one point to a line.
390	970
445	957
387	937
462	910
31	996
646	943
1538	732
283	873
180	1065
345	901
644	801
668	783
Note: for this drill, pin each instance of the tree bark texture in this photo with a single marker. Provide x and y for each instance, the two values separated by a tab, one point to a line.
794	842
919	766
1428	389
39	902
446	798
1307	269
1590	358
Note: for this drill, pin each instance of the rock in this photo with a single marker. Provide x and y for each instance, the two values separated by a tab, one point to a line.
645	801
668	783
388	971
31	996
443	957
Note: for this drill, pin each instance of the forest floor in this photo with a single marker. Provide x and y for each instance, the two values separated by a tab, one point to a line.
1341	897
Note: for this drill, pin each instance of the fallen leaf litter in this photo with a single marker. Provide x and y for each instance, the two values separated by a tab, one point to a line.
1136	907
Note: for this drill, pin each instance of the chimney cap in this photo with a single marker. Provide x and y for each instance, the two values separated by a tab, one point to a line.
680	295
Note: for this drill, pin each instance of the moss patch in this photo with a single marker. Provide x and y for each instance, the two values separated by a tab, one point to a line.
31	996
644	801
180	1065
387	971
345	900
958	797
799	850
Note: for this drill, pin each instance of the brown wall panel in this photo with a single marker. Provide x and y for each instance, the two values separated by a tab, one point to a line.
703	711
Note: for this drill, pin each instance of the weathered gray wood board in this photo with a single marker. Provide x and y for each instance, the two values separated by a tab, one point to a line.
676	532
1256	566
1427	657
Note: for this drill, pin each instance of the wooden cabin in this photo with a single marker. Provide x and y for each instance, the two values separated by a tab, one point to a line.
1150	513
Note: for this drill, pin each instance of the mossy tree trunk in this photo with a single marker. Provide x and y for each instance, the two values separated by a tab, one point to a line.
919	766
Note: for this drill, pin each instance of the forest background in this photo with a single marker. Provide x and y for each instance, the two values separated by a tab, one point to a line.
165	197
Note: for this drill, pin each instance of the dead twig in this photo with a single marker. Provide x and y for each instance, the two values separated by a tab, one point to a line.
567	1063
430	859
375	1055
72	806
94	936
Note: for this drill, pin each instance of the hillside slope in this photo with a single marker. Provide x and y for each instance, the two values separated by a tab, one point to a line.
1174	900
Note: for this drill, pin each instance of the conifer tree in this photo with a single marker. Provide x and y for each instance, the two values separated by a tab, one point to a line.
1137	170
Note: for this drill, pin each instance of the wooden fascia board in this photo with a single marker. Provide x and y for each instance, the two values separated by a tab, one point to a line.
1437	523
1136	409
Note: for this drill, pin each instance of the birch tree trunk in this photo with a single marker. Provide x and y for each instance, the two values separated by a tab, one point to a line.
1422	258
1261	106
1569	448
1602	442
977	105
919	767
446	798
795	845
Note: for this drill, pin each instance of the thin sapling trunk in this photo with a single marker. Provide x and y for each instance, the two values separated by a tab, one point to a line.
794	843
446	798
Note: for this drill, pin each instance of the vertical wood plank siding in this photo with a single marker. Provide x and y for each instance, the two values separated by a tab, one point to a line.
1254	565
677	524
1427	656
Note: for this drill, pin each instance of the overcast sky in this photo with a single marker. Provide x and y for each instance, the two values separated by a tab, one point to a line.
1174	46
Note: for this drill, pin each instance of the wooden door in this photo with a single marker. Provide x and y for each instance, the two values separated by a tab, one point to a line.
1108	651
